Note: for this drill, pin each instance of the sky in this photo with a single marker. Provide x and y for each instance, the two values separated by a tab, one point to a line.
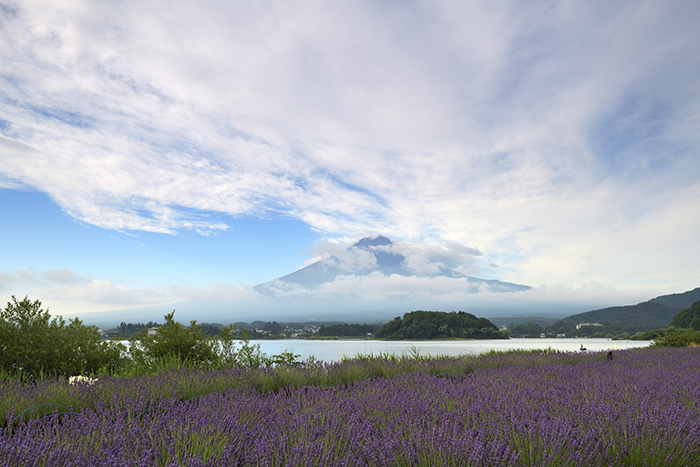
159	155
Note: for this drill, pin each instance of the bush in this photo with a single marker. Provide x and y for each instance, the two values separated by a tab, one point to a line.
174	340
33	343
683	338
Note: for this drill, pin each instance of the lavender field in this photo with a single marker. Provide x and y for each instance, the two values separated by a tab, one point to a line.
518	409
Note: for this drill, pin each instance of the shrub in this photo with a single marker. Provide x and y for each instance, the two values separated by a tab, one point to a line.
173	340
683	338
33	343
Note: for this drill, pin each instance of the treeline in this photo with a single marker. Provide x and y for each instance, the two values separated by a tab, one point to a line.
688	319
34	345
348	330
683	331
126	330
426	325
568	329
648	312
254	330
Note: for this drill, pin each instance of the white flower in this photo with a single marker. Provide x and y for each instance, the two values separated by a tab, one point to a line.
81	379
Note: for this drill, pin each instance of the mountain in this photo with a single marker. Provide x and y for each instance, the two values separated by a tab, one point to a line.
371	255
679	300
642	313
687	317
658	311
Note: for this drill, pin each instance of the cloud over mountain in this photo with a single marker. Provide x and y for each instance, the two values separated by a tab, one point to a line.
378	259
560	137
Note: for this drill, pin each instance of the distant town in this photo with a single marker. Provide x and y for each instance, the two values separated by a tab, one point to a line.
641	321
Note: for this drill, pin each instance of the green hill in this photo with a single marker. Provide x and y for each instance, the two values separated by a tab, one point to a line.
618	321
680	301
641	313
425	325
687	318
657	311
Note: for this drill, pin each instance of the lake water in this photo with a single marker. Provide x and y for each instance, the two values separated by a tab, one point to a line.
335	350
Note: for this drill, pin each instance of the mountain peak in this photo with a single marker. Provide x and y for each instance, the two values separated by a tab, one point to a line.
378	240
367	257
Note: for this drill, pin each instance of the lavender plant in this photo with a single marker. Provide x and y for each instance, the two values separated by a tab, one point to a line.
643	408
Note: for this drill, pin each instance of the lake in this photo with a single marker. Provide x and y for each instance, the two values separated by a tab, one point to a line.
335	350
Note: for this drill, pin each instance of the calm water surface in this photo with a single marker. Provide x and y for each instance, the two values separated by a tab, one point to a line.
331	351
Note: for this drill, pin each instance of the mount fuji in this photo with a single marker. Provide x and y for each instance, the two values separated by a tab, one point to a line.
382	255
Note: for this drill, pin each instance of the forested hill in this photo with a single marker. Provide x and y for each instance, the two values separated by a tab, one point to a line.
642	313
688	318
438	325
680	301
658	311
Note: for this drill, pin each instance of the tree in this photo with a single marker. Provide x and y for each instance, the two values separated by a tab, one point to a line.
695	324
274	328
174	339
32	342
684	318
438	325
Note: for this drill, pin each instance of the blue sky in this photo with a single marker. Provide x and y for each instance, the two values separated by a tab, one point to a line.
158	155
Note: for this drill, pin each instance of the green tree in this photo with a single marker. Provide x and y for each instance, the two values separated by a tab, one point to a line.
32	342
685	317
695	324
173	340
438	325
274	328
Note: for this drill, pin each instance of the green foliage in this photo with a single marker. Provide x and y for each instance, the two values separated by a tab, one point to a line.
348	330
656	334
633	320
173	339
249	355
526	330
695	324
34	344
608	330
426	325
274	328
176	346
684	338
36	347
212	329
126	330
679	301
186	381
684	318
649	312
683	331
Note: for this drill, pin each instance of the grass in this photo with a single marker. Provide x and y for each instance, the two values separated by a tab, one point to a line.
188	379
517	408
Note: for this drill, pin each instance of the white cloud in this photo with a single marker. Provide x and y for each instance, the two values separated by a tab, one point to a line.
384	294
214	291
63	276
428	258
6	280
64	292
346	295
104	292
345	259
538	132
